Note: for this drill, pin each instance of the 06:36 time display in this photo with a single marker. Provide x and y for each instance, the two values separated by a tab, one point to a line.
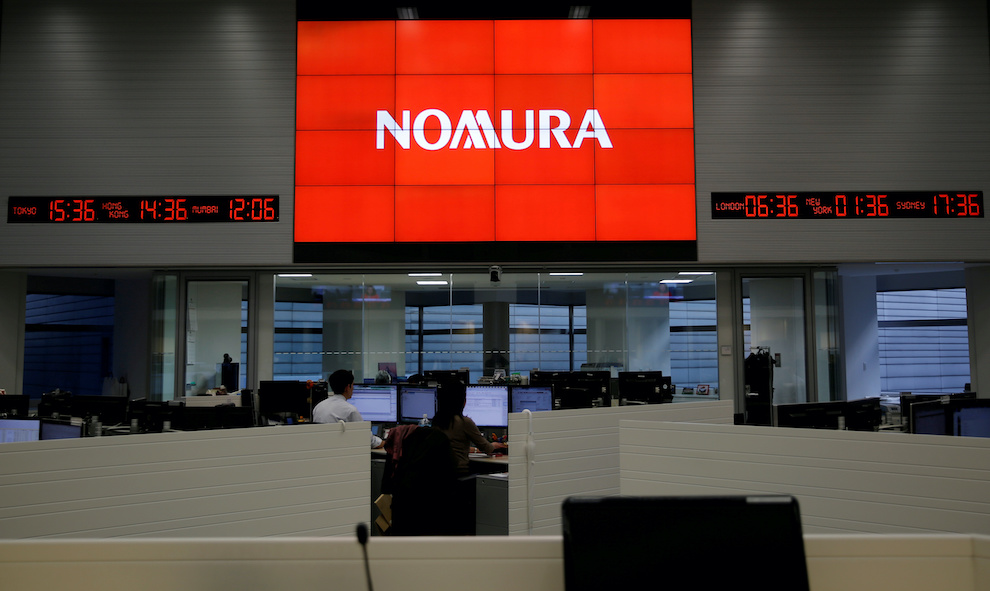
820	205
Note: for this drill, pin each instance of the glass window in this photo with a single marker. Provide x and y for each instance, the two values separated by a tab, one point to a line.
924	340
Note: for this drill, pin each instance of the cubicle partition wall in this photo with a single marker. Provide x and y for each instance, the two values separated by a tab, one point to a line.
534	563
576	452
845	482
302	480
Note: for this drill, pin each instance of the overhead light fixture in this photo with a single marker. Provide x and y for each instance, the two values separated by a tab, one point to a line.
696	273
566	274
294	275
407	12
579	12
431	282
676	280
425	274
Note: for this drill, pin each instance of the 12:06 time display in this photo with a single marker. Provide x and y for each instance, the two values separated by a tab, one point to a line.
253	208
850	204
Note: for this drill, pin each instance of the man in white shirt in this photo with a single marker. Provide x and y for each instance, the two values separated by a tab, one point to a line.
336	407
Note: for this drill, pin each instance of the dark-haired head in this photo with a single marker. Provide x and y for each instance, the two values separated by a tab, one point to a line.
451	396
339	380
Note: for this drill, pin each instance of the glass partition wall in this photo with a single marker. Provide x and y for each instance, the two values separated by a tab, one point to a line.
407	323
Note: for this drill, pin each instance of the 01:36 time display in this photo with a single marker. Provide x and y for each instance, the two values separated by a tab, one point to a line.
820	205
261	208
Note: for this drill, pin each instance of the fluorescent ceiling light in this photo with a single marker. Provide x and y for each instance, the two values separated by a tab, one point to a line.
676	280
425	274
566	274
291	275
429	282
696	273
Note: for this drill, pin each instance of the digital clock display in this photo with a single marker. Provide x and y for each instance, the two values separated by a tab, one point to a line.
848	204
179	209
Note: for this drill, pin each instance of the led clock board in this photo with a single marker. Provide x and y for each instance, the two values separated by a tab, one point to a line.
478	139
171	210
847	204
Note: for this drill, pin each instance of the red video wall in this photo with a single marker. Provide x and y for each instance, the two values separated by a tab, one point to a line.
494	131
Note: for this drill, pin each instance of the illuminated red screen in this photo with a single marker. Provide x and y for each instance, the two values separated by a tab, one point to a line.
494	131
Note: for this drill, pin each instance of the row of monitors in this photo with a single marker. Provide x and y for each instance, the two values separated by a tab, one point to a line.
856	415
487	405
966	417
25	429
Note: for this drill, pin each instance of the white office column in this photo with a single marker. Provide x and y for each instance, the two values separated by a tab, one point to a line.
606	327
777	321
13	291
978	320
860	335
648	332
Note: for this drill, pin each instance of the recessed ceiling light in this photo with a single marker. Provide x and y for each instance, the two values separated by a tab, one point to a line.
676	280
429	282
425	274
294	275
566	274
696	273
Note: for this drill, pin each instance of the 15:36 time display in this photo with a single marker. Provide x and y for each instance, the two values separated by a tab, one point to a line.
178	209
849	204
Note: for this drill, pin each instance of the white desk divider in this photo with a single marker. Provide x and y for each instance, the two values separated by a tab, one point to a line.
300	480
576	452
845	481
520	563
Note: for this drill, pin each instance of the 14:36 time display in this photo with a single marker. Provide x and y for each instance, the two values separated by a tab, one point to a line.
851	204
254	208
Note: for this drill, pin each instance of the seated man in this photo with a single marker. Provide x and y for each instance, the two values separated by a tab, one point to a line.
336	407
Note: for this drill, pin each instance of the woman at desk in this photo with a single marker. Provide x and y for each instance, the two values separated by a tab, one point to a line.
462	432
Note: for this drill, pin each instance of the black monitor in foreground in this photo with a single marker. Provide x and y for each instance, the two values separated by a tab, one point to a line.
971	418
111	410
51	429
644	387
442	375
640	542
377	403
415	402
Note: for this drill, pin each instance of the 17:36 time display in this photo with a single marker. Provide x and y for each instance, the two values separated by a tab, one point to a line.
820	205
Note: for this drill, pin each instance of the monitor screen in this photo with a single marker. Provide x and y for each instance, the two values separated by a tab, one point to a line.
648	387
930	418
488	406
532	398
439	375
284	397
60	430
14	405
376	403
971	418
415	402
18	430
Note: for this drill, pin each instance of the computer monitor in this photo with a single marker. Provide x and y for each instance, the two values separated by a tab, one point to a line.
60	430
488	406
644	387
285	397
931	417
810	415
864	414
971	418
597	383
14	406
415	402
621	542
377	403
441	375
112	410
531	398
19	430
